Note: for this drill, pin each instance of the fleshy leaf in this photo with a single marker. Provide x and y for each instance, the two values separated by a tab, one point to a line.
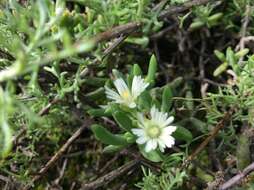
107	137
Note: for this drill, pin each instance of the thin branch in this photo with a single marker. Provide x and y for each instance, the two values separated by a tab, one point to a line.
104	180
58	154
213	133
117	31
237	178
46	109
177	9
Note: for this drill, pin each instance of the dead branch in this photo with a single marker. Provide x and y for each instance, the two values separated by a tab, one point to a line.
177	9
213	133
104	180
237	178
58	154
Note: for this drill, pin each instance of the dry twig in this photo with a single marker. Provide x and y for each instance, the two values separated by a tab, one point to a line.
237	178
58	154
104	180
215	131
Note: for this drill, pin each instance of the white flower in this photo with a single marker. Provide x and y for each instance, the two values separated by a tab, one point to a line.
156	131
125	95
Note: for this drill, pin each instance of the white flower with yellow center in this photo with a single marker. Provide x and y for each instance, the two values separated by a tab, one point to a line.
125	95
156	131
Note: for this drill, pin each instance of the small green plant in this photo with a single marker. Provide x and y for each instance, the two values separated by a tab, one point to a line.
205	17
130	106
171	178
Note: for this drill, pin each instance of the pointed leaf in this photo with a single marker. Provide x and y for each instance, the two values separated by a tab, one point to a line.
182	133
150	78
123	120
166	98
107	137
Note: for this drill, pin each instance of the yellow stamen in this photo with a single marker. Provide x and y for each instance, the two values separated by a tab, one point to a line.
126	94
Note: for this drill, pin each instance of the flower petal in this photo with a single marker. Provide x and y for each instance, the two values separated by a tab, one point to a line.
111	94
120	85
169	141
153	112
169	120
141	140
138	132
138	86
168	130
162	145
149	146
132	105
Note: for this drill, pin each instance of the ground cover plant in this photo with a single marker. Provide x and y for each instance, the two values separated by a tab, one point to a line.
126	94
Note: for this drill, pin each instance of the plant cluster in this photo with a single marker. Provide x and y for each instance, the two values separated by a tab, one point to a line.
77	107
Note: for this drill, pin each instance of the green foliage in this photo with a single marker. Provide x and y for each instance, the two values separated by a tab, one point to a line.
171	179
56	59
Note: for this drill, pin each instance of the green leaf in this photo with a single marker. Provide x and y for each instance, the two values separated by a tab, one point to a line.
220	55
145	100
182	133
97	94
113	148
198	124
166	98
220	69
136	70
196	25
242	53
123	120
189	103
98	112
7	139
154	155
215	17
95	81
107	137
150	78
231	58
176	82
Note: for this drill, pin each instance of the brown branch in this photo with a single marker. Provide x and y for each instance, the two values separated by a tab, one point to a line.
133	26
177	9
237	178
58	154
46	109
117	31
214	132
104	180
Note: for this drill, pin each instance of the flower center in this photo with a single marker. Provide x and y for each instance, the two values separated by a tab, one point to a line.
126	94
153	131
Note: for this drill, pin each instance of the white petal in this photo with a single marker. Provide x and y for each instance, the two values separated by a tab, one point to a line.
149	146
153	112
168	140
154	142
168	130
138	132
138	86
162	145
141	140
169	120
111	94
132	105
120	85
